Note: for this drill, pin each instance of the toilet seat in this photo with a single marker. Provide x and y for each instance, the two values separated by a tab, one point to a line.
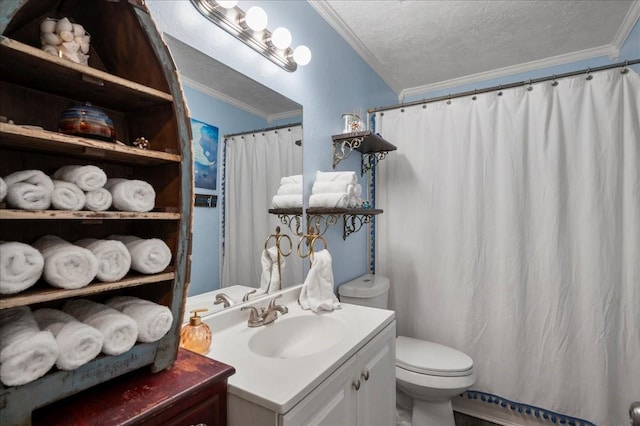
433	359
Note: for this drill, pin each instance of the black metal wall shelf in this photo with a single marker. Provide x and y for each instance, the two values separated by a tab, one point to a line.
372	146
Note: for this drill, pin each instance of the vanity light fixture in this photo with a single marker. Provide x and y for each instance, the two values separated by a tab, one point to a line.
251	28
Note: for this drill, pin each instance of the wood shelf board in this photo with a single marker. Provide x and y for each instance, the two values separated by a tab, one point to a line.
19	137
372	142
40	295
73	80
84	215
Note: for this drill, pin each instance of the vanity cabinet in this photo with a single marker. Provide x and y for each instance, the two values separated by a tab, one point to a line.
132	78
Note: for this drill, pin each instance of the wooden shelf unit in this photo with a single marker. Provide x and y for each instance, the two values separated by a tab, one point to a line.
135	83
321	218
372	146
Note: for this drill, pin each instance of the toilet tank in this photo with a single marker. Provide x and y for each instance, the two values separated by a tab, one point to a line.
368	290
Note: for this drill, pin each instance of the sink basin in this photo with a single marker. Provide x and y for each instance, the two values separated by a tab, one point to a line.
295	337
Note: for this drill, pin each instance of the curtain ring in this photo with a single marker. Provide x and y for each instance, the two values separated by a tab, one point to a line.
449	101
589	76
530	88
500	90
625	69
554	83
474	97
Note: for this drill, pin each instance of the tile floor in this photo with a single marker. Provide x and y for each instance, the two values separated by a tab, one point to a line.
464	420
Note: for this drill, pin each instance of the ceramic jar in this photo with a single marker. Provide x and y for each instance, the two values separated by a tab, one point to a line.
87	121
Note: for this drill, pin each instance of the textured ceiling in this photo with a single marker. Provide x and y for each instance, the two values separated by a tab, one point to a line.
416	44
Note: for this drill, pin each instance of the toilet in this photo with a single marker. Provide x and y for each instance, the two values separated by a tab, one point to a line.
427	373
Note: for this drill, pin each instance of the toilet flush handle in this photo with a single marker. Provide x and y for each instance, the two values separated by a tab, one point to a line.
365	375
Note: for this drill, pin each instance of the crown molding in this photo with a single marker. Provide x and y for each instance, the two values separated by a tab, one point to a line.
508	71
629	21
330	16
284	115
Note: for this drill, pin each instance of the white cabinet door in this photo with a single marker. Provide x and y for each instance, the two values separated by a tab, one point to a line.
376	372
333	403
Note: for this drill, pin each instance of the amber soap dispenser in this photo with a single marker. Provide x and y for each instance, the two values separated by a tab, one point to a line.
196	336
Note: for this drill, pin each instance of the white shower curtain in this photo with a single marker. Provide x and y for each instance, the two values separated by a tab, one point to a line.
255	162
511	231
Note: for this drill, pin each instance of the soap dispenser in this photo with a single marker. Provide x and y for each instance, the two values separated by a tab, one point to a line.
196	336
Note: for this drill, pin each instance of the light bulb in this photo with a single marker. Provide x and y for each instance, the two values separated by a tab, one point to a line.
281	38
227	4
302	55
256	18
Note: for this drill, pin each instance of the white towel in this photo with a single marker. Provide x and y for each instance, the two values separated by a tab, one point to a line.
148	256
20	266
286	201
153	320
26	353
67	196
119	331
290	179
29	190
270	279
3	189
131	195
98	200
323	187
334	200
87	178
113	258
66	265
348	177
290	189
317	292
78	343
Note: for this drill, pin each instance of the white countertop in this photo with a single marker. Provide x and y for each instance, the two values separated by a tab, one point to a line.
279	384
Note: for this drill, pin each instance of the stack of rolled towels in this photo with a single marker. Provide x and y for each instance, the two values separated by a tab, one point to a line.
75	187
336	190
74	265
31	343
289	193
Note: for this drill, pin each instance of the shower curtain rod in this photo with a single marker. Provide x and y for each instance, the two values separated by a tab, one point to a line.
505	86
266	129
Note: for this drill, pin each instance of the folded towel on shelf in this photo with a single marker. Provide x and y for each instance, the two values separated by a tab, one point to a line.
66	265
26	353
332	200
348	177
119	331
153	320
286	201
20	266
87	177
98	200
114	259
317	290
270	279
131	195
290	189
290	179
323	187
78	343
29	190
3	189
148	256
67	196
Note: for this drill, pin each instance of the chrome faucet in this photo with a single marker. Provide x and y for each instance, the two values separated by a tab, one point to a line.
265	315
224	299
245	298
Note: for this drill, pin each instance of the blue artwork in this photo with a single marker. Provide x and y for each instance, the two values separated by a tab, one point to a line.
205	154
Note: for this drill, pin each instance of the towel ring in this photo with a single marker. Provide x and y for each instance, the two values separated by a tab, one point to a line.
277	237
310	239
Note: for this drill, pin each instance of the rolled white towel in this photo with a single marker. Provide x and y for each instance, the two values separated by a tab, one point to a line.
290	179
87	177
290	189
323	187
66	265
348	177
286	201
29	190
98	200
148	256
154	320
26	353
119	331
78	343
334	200
131	195
113	258
3	189
20	266
67	196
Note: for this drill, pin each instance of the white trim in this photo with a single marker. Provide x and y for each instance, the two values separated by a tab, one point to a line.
326	11
221	96
284	115
508	71
629	21
494	413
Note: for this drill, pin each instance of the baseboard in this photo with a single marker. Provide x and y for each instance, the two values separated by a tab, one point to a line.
494	413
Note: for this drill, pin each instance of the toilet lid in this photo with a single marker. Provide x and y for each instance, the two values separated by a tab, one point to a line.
421	356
